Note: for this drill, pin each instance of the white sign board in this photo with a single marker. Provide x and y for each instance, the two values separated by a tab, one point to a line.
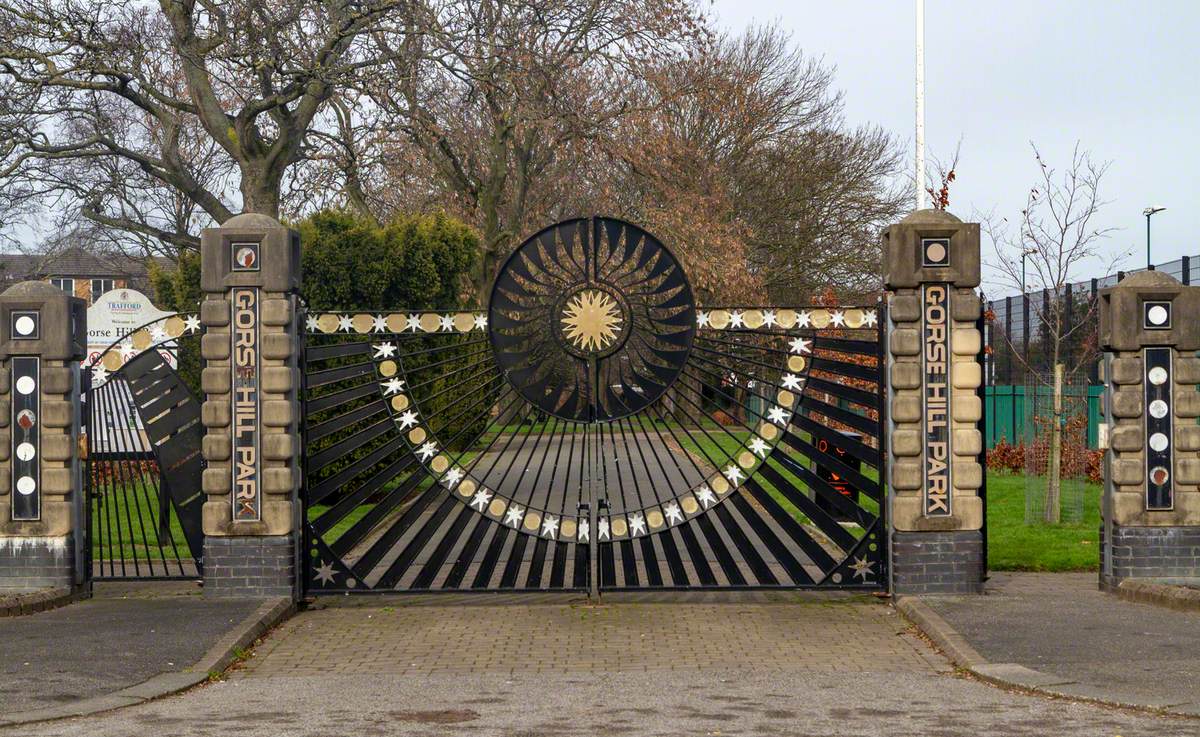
115	422
117	313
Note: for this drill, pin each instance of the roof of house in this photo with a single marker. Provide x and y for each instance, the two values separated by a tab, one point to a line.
71	262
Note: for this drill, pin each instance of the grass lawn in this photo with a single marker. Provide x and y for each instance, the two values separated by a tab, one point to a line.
125	523
1016	546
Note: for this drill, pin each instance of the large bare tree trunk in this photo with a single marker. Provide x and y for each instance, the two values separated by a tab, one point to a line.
1052	511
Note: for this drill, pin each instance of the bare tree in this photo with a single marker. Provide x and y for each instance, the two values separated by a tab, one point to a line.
172	99
492	94
1055	235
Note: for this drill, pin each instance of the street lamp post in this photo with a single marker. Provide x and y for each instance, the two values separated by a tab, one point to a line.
1148	212
1024	255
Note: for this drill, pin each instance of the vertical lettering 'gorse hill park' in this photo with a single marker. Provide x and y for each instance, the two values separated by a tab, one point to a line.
538	367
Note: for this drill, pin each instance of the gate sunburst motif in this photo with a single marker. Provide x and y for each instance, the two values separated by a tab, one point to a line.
594	407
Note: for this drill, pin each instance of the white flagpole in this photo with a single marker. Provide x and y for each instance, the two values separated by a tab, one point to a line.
920	167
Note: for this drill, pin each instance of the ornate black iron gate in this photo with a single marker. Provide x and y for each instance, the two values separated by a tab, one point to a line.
594	429
142	468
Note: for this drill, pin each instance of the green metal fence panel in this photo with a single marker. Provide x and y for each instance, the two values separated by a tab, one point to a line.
1005	405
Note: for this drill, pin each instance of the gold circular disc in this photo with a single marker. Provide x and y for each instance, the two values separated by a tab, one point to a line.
719	484
689	504
654	518
785	398
464	322
112	360
466	487
400	402
718	319
396	322
174	326
439	463
533	520
141	339
746	459
362	323
786	318
768	431
327	323
497	507
416	436
387	368
855	318
567	528
753	319
431	322
619	526
796	363
820	318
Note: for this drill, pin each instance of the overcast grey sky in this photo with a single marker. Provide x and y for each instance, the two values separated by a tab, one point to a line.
1121	77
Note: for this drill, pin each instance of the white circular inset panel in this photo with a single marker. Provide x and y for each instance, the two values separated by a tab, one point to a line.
1157	315
1159	442
26	385
26	451
24	325
1157	375
1158	409
26	485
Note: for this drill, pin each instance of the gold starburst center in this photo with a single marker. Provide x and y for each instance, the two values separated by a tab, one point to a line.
591	320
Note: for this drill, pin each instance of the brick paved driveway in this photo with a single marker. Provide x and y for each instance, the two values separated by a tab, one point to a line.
480	634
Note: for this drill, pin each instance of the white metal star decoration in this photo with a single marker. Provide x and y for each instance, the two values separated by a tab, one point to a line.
759	447
157	334
603	532
862	568
99	375
393	385
778	415
803	319
481	499
736	320
345	322
427	451
385	350
800	345
769	318
838	318
734	474
452	477
447	322
701	319
407	420
480	320
379	324
673	512
550	527
706	497
412	322
514	515
637	524
191	324
585	531
128	351
792	382
324	573
870	318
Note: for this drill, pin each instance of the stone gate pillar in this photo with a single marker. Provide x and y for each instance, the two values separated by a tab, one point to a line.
1150	332
42	340
250	274
931	270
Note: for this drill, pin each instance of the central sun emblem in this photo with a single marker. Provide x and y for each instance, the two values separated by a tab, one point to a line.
591	320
